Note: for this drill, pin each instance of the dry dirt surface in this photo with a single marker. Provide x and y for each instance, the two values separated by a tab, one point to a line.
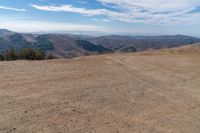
122	93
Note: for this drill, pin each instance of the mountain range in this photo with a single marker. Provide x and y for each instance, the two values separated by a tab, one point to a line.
69	46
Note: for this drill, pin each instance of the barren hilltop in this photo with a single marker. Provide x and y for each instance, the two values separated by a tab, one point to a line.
147	92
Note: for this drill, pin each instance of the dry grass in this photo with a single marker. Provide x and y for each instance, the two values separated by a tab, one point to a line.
127	93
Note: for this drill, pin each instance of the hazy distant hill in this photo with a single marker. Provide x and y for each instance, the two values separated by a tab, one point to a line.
141	43
5	32
68	46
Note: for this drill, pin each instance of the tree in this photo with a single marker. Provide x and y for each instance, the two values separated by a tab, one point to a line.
10	55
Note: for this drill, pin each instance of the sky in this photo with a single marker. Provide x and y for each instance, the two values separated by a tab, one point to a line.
130	17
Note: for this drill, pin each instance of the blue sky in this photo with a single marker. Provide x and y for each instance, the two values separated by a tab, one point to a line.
142	17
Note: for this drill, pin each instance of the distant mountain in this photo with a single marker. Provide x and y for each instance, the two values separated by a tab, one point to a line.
68	45
5	32
141	43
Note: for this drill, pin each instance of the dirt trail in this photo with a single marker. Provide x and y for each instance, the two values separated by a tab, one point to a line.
121	93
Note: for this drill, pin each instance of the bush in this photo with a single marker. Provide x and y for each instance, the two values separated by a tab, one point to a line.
10	55
31	54
1	57
49	57
25	54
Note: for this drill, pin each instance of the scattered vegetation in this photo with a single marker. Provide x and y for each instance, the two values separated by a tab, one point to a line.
25	54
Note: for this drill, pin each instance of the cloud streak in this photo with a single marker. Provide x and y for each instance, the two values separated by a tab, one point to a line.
35	26
139	11
12	9
70	8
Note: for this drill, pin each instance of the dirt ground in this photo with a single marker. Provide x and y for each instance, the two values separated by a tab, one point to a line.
121	93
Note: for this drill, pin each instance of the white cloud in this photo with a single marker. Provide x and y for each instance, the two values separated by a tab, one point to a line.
11	8
157	11
70	8
154	5
102	20
140	11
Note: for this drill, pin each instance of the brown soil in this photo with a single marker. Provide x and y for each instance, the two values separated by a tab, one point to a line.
121	93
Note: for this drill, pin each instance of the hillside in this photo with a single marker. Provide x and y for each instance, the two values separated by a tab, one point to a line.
69	46
5	32
186	49
126	93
